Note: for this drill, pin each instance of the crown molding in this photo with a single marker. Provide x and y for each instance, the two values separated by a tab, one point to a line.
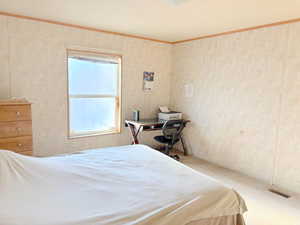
239	30
82	27
151	39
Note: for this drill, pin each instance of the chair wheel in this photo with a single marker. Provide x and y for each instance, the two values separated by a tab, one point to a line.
176	157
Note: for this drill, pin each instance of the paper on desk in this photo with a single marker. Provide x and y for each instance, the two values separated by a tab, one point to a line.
164	109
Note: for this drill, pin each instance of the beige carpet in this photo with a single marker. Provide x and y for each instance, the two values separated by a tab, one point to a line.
264	207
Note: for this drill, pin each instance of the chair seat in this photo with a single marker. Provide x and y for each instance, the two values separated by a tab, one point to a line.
164	140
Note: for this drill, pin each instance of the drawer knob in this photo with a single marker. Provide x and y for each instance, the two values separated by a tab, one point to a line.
20	145
19	128
18	113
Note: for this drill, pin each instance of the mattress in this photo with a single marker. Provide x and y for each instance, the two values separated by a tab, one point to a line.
126	185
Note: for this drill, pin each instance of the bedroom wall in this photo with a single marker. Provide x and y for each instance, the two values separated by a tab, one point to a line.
245	107
33	65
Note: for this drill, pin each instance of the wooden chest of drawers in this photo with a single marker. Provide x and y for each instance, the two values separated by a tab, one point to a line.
16	126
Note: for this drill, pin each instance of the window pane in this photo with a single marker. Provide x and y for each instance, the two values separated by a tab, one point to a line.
92	114
92	77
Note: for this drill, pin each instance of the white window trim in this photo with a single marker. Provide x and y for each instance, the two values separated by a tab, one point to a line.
118	98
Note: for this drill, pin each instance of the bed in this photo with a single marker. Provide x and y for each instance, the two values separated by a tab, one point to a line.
126	185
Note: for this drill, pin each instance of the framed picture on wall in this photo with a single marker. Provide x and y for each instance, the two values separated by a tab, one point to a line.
148	79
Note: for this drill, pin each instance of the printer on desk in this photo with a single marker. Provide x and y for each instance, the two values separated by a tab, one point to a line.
166	114
172	115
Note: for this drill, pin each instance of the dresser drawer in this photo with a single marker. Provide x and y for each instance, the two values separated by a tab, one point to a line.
17	144
15	113
29	153
14	129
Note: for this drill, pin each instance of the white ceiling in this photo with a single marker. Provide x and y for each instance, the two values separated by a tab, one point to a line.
169	20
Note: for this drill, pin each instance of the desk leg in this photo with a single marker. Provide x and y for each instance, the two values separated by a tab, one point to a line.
134	133
183	146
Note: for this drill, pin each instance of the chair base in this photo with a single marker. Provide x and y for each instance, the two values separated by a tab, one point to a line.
166	150
176	157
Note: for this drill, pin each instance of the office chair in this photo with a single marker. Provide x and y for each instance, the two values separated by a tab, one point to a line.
171	135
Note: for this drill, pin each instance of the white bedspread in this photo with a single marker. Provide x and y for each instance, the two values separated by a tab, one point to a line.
114	186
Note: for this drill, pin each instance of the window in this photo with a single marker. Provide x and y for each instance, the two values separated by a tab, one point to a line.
94	93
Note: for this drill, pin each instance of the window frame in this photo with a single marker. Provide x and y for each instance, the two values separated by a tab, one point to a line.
118	97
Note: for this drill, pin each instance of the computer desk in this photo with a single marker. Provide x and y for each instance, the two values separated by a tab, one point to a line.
136	127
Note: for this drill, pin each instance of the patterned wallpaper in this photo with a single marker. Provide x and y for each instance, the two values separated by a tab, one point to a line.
244	106
245	109
33	62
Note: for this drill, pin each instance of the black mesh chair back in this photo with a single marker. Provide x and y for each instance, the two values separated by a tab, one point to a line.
172	130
